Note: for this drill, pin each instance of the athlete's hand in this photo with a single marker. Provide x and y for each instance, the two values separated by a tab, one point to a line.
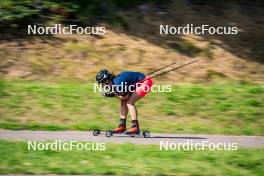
108	94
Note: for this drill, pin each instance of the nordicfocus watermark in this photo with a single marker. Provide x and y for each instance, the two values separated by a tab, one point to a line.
199	30
124	87
69	145
67	30
190	145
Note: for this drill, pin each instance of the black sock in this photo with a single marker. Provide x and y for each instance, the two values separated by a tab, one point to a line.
135	123
122	123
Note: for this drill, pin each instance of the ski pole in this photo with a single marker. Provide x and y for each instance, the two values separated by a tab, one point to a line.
173	69
161	68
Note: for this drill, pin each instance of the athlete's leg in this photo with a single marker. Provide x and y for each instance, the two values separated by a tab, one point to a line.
133	112
131	105
137	95
123	115
123	109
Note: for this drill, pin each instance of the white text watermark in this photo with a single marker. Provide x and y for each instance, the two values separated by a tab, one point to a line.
190	145
69	145
67	30
203	29
124	87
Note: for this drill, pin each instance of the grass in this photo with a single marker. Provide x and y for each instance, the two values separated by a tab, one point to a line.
190	49
129	159
222	108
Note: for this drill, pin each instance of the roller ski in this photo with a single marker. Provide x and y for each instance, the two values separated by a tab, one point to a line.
130	133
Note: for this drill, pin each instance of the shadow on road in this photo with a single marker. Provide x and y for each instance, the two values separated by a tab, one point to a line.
167	137
175	137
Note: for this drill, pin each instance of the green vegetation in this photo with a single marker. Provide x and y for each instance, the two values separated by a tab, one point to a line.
20	13
12	13
222	108
129	159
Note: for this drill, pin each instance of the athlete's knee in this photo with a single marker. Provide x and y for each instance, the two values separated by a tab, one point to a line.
130	104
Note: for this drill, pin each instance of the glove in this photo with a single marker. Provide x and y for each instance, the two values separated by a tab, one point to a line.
108	94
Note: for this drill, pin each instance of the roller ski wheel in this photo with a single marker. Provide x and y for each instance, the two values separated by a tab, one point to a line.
146	134
96	132
109	133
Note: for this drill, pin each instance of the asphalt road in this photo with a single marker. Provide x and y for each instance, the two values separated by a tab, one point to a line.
155	138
